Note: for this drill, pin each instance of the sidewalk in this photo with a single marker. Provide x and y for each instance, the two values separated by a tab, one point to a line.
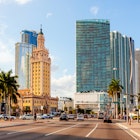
15	122
134	127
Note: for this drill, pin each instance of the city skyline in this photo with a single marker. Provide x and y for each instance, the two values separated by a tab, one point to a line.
58	21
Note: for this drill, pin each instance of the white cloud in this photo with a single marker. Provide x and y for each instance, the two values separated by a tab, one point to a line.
5	1
94	10
54	67
7	55
63	86
23	1
49	14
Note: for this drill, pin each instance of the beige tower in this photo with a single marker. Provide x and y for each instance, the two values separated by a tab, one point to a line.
40	68
38	98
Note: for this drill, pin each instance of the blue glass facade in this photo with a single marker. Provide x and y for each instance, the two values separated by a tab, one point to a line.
23	51
123	60
29	37
93	59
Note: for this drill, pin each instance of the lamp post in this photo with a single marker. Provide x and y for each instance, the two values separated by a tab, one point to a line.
127	110
116	96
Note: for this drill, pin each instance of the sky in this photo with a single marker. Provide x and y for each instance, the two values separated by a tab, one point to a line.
58	19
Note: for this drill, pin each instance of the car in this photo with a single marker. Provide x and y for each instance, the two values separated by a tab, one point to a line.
101	115
7	117
86	116
80	117
40	116
1	116
63	117
51	116
48	116
135	116
107	119
71	116
27	117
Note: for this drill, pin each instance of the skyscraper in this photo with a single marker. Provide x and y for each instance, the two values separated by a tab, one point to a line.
23	51
37	98
137	56
93	58
123	62
40	68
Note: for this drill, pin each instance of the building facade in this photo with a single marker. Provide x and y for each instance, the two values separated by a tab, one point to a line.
23	51
93	58
37	98
40	68
123	64
40	73
93	101
137	57
66	104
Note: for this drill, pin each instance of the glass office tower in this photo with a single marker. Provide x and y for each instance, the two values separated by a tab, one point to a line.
29	37
123	62
23	51
93	59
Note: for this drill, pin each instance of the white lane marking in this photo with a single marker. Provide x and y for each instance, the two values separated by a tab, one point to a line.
23	130
126	130
60	130
92	130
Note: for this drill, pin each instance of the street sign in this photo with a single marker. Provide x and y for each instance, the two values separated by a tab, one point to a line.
115	102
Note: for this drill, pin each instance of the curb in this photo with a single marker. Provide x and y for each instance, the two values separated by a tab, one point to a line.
126	128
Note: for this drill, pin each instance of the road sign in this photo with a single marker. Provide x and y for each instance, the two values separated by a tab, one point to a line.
115	102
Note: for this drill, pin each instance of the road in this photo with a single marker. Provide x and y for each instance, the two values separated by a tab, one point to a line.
91	129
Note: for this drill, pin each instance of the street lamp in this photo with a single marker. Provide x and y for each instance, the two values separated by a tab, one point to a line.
116	95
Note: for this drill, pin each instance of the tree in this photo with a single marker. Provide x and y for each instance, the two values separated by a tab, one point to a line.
114	89
9	87
138	100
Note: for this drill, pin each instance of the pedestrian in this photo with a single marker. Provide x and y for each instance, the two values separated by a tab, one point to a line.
130	118
35	116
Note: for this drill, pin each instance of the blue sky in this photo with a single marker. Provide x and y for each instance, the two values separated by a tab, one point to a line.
58	19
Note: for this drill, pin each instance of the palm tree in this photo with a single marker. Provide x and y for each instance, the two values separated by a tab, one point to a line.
138	100
114	89
8	87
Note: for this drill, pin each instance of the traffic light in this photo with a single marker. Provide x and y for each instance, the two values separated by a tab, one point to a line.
3	107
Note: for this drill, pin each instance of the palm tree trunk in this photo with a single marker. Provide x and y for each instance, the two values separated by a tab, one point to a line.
9	108
116	105
114	110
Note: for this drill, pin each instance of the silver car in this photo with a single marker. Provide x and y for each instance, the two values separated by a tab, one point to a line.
80	117
27	117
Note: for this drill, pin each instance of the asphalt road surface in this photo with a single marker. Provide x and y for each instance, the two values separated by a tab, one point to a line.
88	129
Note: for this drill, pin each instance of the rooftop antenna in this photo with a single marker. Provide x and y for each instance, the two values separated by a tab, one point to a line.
41	29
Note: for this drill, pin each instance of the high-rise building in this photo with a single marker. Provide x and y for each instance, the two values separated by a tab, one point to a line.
123	62
93	58
37	98
23	51
137	57
29	37
40	68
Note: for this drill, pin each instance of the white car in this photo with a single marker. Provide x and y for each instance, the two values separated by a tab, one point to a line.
27	117
71	116
48	116
80	117
7	116
39	116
